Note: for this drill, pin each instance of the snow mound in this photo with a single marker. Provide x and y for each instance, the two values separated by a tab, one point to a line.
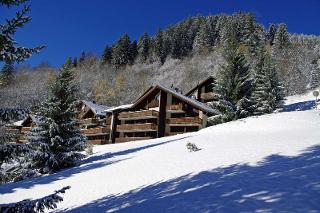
268	163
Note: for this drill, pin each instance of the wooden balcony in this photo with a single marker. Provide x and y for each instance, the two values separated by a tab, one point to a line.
96	131
108	120
138	115
176	108
184	121
127	139
147	127
207	96
25	129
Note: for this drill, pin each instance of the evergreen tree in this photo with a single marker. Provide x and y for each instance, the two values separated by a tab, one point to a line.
107	55
56	141
282	39
315	75
7	74
9	49
75	62
204	39
68	62
82	58
267	93
158	47
271	34
133	51
121	51
144	47
234	87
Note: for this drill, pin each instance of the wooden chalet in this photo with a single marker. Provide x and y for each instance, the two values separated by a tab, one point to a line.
159	112
94	122
21	128
203	92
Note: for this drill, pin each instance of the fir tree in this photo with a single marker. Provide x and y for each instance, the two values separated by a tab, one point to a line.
68	62
315	75
107	55
158	47
267	93
271	34
234	87
282	39
75	62
133	51
204	40
56	141
121	51
82	58
144	47
7	74
9	49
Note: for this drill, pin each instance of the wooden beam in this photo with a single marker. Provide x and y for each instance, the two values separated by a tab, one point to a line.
113	127
162	114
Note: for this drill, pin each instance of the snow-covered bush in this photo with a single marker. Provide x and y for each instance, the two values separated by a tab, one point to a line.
192	147
34	206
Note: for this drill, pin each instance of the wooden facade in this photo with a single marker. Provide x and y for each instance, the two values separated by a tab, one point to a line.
159	112
203	92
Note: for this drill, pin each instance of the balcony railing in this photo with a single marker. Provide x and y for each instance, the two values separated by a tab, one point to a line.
147	127
184	121
207	96
98	130
137	115
175	108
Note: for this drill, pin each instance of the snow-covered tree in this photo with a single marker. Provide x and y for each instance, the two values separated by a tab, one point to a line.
6	74
121	51
56	141
234	87
314	75
9	48
107	55
282	39
34	206
158	46
268	92
144	47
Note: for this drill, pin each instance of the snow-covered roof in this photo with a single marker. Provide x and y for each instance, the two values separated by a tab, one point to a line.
18	123
96	108
125	106
180	96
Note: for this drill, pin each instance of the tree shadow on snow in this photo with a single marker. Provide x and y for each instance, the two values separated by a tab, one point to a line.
278	184
87	164
300	106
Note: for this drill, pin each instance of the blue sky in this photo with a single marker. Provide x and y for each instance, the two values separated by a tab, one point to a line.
69	27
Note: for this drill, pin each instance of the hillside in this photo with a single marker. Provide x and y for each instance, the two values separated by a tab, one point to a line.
268	163
181	55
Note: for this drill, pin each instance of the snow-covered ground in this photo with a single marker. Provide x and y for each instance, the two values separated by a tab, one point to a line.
269	163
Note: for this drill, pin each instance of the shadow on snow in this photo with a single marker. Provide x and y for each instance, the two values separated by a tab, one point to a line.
300	106
278	184
89	163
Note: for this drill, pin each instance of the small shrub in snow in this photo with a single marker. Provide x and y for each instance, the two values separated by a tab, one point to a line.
89	149
192	147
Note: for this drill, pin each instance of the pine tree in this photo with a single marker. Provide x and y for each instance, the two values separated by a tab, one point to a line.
133	51
271	34
158	47
75	62
234	86
144	47
82	58
314	75
9	49
268	92
68	62
121	51
7	74
56	141
204	39
107	55
282	39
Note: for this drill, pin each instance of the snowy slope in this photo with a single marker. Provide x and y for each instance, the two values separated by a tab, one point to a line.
264	164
